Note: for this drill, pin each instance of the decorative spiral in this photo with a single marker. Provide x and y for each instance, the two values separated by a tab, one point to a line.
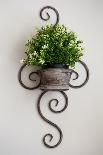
77	75
48	16
21	82
49	122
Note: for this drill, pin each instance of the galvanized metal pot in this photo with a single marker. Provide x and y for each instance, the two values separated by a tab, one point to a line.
55	77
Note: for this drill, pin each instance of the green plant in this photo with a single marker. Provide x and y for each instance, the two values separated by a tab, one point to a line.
53	45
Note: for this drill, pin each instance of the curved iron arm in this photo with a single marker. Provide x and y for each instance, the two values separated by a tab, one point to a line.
48	121
77	75
21	82
48	16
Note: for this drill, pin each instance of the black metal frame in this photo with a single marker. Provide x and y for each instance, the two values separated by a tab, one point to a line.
44	92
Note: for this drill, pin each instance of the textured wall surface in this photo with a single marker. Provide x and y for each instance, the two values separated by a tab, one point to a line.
21	128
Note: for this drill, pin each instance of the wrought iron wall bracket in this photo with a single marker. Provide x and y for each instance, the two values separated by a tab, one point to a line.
45	91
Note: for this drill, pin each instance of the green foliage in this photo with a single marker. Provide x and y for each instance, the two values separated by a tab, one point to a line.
53	45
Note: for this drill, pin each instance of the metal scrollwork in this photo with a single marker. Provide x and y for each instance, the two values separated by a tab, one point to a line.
77	75
30	75
48	16
49	135
49	122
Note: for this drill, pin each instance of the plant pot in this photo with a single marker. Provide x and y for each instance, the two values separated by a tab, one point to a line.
55	77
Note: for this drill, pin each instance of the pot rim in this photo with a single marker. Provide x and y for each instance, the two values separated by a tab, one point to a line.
55	65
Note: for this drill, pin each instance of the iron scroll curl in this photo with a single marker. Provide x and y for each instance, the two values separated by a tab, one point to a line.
77	75
48	16
20	79
48	121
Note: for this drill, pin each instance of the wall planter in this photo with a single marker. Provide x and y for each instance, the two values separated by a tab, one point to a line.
57	51
55	77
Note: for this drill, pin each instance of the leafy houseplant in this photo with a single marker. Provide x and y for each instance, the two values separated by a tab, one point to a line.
55	49
54	46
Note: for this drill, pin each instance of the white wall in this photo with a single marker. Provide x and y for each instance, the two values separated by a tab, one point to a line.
21	128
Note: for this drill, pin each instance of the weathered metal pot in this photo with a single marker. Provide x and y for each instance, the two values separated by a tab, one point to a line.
55	77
